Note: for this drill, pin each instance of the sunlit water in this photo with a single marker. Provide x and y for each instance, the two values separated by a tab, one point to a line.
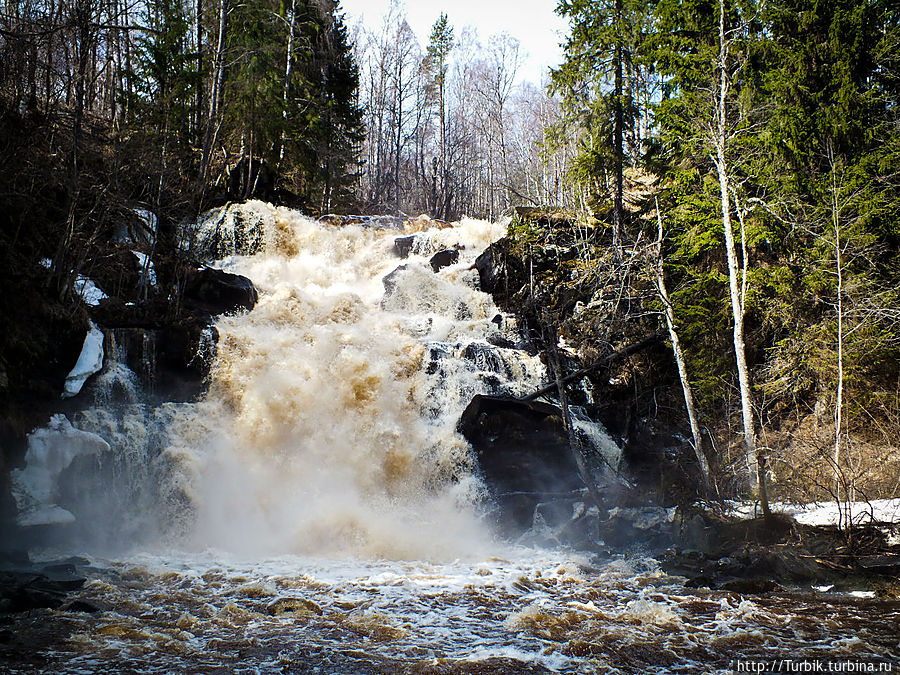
319	513
528	612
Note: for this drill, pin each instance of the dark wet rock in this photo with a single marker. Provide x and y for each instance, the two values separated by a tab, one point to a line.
486	357
647	529
501	273
216	292
82	606
523	451
403	246
390	280
753	586
186	348
23	591
500	341
63	576
443	259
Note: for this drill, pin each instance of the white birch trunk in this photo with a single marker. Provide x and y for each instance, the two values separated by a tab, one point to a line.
679	358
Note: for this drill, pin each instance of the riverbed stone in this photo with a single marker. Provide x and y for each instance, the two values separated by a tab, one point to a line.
443	259
523	451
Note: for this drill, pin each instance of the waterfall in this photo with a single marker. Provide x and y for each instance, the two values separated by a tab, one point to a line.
329	426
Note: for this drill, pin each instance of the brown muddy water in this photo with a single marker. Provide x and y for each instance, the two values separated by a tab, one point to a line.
525	612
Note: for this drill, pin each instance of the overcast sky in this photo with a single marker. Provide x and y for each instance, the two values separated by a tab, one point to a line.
533	22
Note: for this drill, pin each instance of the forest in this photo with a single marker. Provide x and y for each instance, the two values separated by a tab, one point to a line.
723	175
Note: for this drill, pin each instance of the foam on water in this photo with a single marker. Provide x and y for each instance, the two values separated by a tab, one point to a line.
325	430
528	612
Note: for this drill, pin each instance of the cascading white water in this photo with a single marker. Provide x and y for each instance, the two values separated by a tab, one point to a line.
331	413
330	422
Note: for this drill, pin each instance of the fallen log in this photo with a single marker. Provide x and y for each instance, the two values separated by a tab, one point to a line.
606	360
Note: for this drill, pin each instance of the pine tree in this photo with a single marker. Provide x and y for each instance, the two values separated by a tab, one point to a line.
598	84
439	47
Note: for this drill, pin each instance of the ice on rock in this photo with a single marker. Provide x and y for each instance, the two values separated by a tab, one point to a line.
147	270
51	450
90	361
88	291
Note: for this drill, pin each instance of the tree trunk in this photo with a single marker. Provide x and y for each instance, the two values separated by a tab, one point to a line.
198	111
618	131
679	359
288	65
755	455
843	514
215	95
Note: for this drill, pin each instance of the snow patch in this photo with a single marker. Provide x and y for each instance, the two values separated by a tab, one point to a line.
90	361
51	450
88	291
84	288
828	513
148	272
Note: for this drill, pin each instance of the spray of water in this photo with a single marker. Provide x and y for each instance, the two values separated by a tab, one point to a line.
329	427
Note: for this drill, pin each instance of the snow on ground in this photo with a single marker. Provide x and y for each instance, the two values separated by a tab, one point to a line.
829	513
88	291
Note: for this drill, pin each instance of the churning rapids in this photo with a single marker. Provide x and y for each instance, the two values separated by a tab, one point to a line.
318	512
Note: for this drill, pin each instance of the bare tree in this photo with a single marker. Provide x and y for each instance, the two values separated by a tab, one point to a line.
680	361
737	281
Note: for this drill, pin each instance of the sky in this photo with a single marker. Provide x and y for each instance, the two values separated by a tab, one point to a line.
533	22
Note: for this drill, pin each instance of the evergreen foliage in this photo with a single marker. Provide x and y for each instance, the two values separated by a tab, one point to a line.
811	133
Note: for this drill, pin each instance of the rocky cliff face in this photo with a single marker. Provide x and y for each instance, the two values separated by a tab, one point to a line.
145	306
576	297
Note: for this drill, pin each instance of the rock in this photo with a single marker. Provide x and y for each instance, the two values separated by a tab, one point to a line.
24	591
523	452
64	576
751	586
444	258
187	348
82	606
246	228
500	273
216	292
390	280
403	246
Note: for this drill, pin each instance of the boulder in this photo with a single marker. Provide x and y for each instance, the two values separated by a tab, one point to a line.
444	258
403	246
501	273
211	291
523	452
21	591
